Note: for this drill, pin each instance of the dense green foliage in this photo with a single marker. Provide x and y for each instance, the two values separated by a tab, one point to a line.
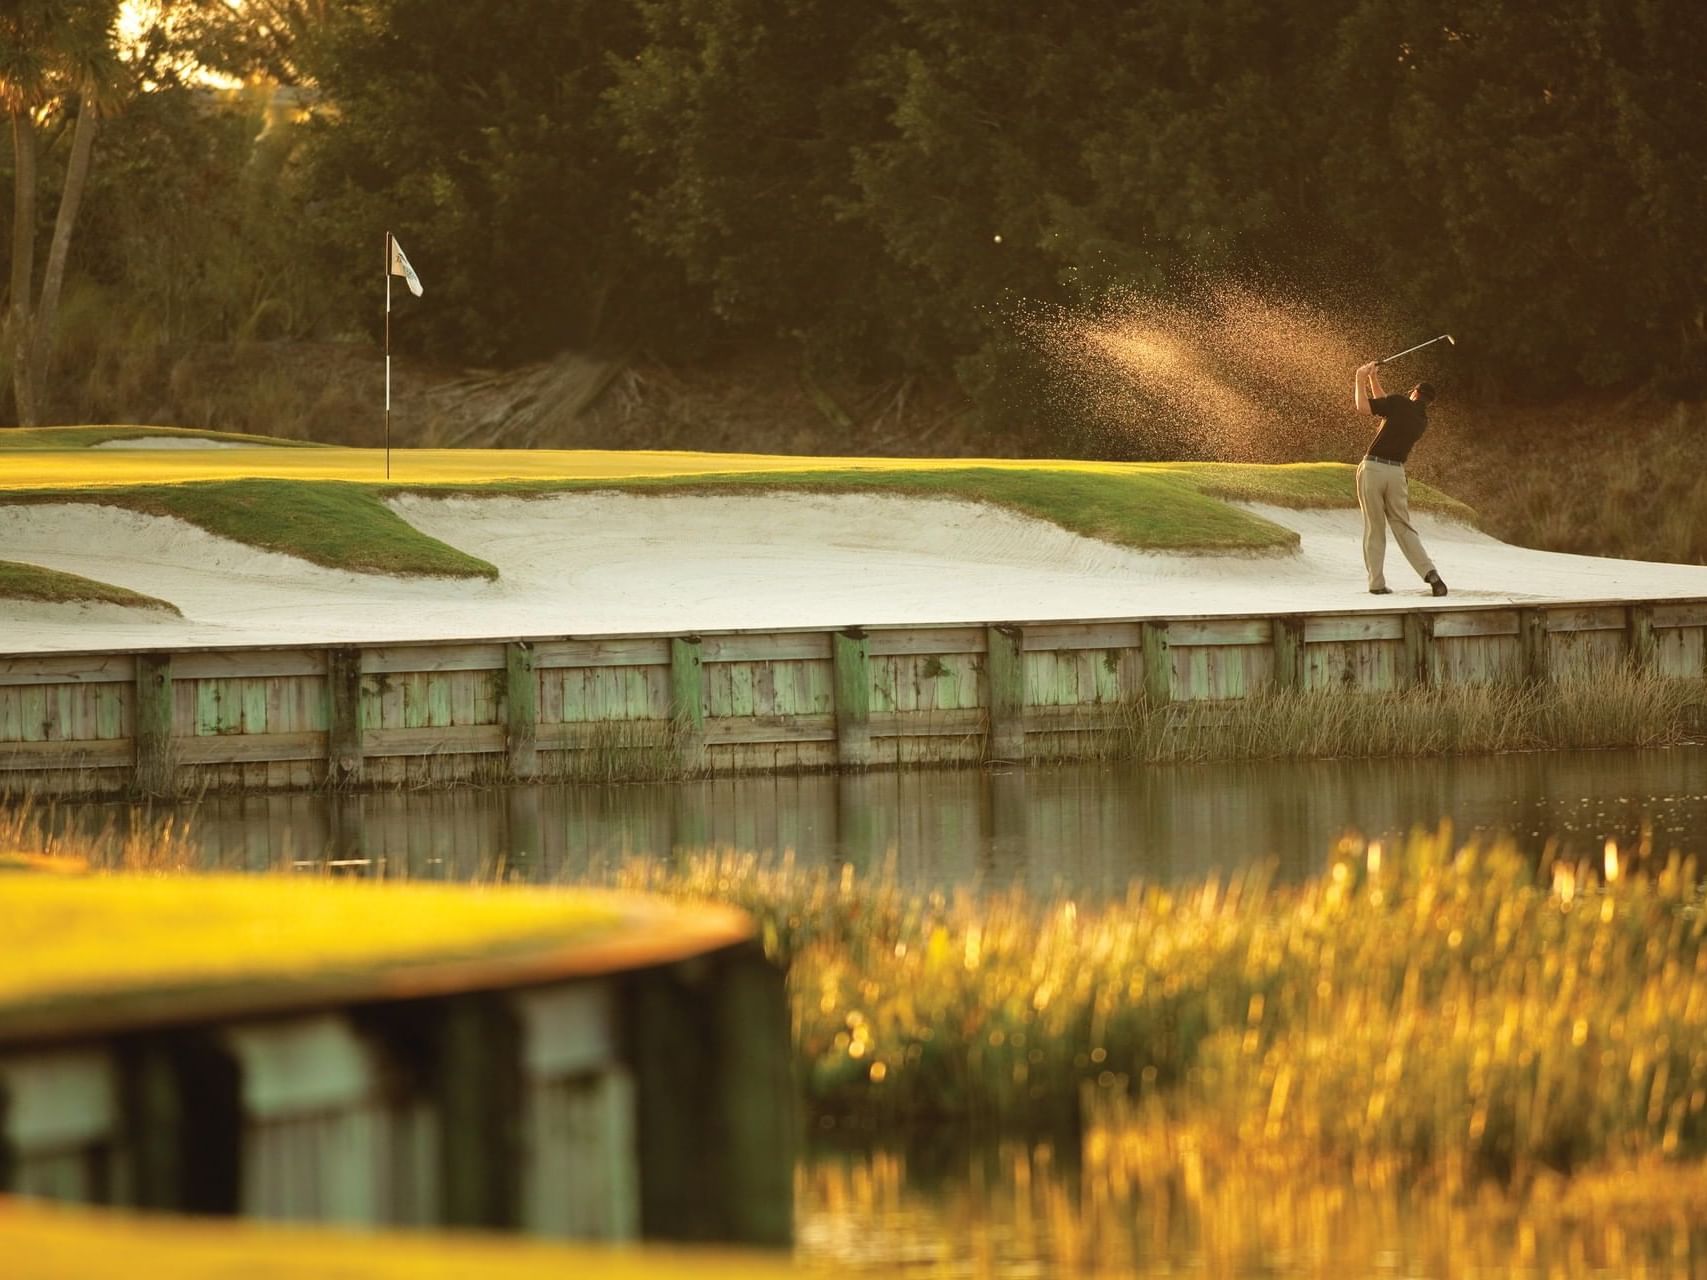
891	186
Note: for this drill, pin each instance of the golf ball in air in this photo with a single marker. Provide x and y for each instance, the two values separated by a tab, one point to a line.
998	238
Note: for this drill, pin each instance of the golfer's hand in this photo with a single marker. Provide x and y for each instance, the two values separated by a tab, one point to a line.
1369	367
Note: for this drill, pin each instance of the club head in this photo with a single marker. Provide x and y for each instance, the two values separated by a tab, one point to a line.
1450	340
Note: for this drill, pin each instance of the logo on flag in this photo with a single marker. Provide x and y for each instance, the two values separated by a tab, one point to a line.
400	267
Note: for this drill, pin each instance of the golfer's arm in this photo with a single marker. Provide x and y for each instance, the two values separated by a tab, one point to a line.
1360	391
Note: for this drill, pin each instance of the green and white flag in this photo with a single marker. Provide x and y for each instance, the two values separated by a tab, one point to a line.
400	267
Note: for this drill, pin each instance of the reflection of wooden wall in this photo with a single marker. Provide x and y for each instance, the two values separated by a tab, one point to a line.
487	711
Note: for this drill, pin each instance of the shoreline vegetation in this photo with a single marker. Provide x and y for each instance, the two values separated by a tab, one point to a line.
1455	1019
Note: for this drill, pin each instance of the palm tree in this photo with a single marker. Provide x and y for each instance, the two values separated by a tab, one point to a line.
53	53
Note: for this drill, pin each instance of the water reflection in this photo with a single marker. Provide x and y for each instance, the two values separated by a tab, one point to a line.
1087	829
1025	1209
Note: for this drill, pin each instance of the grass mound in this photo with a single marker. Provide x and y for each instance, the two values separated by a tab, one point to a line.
334	524
50	586
52	438
326	505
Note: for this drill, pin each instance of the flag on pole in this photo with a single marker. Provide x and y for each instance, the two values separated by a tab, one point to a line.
400	267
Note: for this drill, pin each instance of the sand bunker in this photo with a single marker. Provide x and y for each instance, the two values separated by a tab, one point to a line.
606	563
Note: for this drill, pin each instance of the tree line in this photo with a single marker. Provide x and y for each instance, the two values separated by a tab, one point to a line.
884	183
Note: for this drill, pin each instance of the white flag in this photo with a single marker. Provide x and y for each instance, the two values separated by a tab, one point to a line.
400	267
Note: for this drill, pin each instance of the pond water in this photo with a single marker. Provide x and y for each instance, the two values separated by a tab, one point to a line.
1082	829
1024	1209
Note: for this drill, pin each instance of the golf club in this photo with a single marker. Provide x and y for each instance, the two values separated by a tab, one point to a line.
1445	337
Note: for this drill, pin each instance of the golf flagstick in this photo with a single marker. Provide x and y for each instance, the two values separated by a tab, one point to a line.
396	264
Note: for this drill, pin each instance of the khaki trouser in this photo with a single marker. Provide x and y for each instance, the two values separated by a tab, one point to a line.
1381	494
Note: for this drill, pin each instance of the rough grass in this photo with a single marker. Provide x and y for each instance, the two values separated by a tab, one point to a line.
1611	705
50	586
1427	1012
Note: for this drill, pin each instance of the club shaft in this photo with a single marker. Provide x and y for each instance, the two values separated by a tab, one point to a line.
1407	351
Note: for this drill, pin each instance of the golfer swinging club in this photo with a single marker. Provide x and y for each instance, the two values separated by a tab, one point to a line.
1381	477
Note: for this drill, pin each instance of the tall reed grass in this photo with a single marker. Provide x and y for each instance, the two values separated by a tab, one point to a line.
1457	1014
1617	705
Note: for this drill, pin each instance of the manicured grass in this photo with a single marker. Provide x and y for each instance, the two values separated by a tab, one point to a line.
55	1242
338	525
97	938
50	586
326	505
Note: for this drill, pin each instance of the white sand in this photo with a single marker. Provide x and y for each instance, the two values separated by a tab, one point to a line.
601	564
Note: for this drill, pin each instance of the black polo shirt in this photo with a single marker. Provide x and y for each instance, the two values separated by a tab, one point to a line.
1403	420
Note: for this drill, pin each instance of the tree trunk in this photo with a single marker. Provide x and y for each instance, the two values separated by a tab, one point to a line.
53	278
18	328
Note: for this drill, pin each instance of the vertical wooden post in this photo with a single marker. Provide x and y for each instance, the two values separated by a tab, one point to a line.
521	711
1004	673
850	651
687	703
757	1095
1640	631
1158	666
153	723
1420	668
1287	640
344	714
1532	634
479	1096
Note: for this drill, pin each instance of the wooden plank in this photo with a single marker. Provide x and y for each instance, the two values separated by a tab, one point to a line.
1043	637
1004	668
1452	624
1380	626
1687	613
687	701
645	651
1419	667
344	714
520	706
1219	631
1158	668
94	753
250	748
74	668
1586	618
731	730
1072	719
929	724
851	661
197	664
453	656
433	740
781	646
153	720
886	643
1288	638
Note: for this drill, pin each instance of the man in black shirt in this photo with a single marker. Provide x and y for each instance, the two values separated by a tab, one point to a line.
1381	477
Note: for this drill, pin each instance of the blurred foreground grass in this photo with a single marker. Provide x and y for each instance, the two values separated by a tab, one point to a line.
1451	1015
45	1242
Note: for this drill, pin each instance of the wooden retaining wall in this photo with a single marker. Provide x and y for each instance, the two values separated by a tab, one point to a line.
638	1086
410	714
